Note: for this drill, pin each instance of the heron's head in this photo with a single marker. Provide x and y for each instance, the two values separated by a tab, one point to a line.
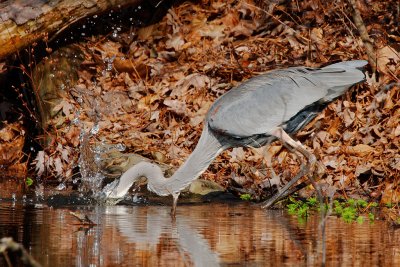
111	193
116	190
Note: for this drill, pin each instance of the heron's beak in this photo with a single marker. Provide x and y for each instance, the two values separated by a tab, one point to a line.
109	193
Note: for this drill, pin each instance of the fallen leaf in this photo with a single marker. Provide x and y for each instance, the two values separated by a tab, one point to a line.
175	42
391	194
360	150
386	55
177	106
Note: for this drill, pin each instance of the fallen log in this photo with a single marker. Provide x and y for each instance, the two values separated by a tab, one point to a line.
25	22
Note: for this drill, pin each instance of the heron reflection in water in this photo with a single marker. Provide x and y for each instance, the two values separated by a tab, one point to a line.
267	107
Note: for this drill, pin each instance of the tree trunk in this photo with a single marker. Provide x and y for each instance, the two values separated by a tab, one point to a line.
27	21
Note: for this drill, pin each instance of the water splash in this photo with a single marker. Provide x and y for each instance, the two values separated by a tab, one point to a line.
90	165
61	187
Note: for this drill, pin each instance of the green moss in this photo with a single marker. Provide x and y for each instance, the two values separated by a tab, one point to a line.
28	181
360	219
245	197
389	205
350	210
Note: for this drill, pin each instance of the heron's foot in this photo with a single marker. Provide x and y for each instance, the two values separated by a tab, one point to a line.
283	192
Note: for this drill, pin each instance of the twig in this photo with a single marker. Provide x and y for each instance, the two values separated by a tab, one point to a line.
7	243
83	218
368	42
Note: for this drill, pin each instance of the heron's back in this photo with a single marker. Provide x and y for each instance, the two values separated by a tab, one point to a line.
281	98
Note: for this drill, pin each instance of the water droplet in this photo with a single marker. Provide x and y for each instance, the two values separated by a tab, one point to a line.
61	186
120	147
95	129
97	158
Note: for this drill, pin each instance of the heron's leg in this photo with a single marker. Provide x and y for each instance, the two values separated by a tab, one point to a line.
278	196
312	161
175	197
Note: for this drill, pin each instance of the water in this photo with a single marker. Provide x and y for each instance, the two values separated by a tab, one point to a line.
201	235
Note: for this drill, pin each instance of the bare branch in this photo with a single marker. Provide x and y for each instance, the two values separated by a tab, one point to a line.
368	42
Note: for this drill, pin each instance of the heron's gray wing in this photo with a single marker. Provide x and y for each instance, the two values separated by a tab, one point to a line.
262	103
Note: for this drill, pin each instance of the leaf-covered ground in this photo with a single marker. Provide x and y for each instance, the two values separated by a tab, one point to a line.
150	89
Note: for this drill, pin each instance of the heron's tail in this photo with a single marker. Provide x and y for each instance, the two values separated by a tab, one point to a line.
342	75
352	64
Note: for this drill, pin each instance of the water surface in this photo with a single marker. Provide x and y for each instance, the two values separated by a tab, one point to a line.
201	235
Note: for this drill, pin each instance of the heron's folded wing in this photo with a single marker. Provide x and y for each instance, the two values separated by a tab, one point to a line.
262	103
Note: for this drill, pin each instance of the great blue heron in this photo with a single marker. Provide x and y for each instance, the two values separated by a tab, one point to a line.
262	109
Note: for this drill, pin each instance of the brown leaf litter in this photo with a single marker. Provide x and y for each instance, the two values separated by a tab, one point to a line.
153	97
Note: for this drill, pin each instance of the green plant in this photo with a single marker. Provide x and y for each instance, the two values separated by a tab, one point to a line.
389	205
373	204
312	201
349	214
245	197
362	203
360	219
28	181
299	208
371	216
349	210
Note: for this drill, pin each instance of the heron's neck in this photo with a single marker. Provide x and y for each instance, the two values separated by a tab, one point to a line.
143	169
207	149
